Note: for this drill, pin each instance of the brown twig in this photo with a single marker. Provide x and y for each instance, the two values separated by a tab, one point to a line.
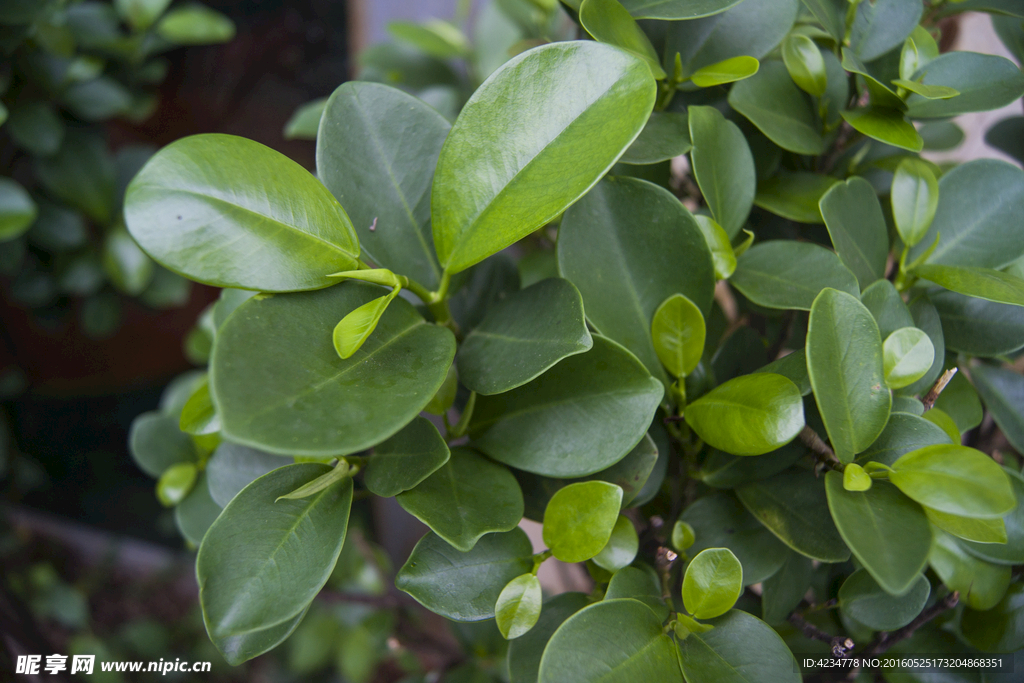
933	394
884	641
840	645
825	455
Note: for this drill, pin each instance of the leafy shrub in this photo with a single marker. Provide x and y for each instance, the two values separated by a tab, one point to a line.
755	419
68	68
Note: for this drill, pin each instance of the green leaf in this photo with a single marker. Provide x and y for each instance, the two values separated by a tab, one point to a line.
985	82
352	331
779	109
749	415
17	210
81	174
983	283
954	479
280	386
197	512
464	586
1000	629
887	307
465	498
518	606
524	653
783	591
1006	136
902	434
887	532
256	576
609	22
960	401
195	25
622	546
857	227
739	649
721	521
641	233
486	284
722	255
338	472
861	598
787	274
907	356
793	506
883	25
614	641
978	327
974	223
722	470
666	135
229	212
727	71
641	583
128	268
805	64
723	166
141	13
983	531
926	318
376	153
881	95
855	478
712	583
981	584
580	518
37	127
435	37
1003	393
199	415
885	125
156	443
232	467
929	92
444	399
794	195
844	361
604	399
523	336
682	536
494	180
305	121
243	647
942	136
944	422
677	9
827	12
176	483
678	335
915	198
406	459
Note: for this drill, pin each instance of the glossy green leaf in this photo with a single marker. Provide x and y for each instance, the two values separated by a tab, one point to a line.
642	233
783	591
677	9
376	153
195	25
855	478
985	82
712	583
156	443
604	399
230	212
609	22
844	361
779	109
929	92
406	459
338	472
882	97
1003	393
983	283
665	135
197	512
1000	629
199	415
722	255
464	586
978	201
788	274
280	386
739	649
805	64
954	479
352	331
82	175
465	498
727	71
981	584
944	422
17	210
580	518
256	576
682	536
902	434
523	336
722	470
678	335
435	37
984	531
494	180
518	606
861	598
524	653
915	198
882	25
232	467
748	415
721	521
857	227
794	195
176	483
979	327
907	355
243	647
793	506
616	641
641	583
885	125
887	532
723	166
622	546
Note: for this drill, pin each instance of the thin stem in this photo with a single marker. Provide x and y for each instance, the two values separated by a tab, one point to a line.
884	641
933	394
825	455
841	645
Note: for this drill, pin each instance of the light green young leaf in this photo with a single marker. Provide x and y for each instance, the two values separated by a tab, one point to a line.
176	483
141	14
199	415
609	22
195	25
621	549
338	472
805	64
723	166
855	478
128	268
857	227
435	37
580	518
885	125
305	121
495	176
726	71
907	355
518	606
983	283
352	330
682	536
712	583
678	334
722	255
954	479
929	92
915	198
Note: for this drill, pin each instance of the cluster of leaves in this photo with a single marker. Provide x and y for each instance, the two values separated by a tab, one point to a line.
809	298
69	67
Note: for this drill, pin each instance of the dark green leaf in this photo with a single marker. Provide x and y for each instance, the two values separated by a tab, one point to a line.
829	15
723	167
983	283
639	583
794	195
1000	629
280	386
787	274
197	512
861	598
486	285
887	307
666	135
985	531
524	653
17	210
981	584
1003	392
739	649
954	479
985	82
156	443
36	126
960	401
243	647
722	470
609	22
857	227
435	37
978	327
942	136
793	367
580	518
902	434
1007	136
883	25
81	174
926	317
783	591
676	9
779	109
232	467
406	459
